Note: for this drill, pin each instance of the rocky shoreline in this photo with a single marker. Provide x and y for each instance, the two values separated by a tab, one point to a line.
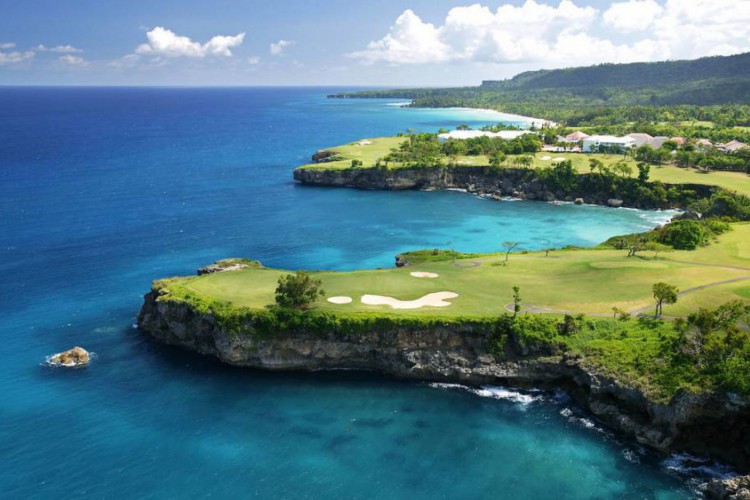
711	425
522	183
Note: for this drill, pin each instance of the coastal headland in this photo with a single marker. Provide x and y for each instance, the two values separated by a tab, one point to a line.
576	319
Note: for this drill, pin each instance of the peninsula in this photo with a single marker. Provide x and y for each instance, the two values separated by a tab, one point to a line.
648	331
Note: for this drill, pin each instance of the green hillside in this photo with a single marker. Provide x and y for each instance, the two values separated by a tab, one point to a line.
575	95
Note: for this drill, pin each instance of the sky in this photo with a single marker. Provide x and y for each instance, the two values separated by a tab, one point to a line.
337	42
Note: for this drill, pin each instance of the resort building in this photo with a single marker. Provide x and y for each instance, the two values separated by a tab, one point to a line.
679	140
658	141
640	139
731	146
594	143
576	136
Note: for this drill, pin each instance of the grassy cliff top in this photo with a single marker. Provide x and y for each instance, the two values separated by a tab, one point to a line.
368	151
371	150
590	281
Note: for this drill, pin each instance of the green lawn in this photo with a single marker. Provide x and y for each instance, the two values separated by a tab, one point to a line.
733	181
379	147
579	281
368	153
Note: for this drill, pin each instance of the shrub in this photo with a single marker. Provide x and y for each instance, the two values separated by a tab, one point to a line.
298	290
684	234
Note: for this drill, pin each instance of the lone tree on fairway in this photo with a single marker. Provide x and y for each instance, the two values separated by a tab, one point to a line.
664	293
516	301
298	290
509	246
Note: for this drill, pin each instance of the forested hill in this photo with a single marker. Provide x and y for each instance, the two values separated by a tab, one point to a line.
573	94
655	74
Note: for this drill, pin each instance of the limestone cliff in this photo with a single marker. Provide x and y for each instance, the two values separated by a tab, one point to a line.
709	425
515	182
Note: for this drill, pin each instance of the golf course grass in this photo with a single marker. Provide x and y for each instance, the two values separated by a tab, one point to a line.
587	281
379	147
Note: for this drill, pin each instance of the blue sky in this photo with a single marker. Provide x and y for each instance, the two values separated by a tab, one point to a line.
384	42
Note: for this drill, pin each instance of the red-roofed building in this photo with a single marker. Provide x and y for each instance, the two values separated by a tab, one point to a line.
732	146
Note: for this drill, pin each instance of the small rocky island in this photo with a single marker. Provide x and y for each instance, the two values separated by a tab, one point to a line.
72	358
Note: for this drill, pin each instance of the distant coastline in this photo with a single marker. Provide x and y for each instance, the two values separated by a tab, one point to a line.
501	115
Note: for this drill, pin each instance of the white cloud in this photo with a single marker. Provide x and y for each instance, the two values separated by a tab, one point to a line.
127	61
62	49
633	15
7	45
72	60
15	57
567	34
410	40
277	48
253	60
164	42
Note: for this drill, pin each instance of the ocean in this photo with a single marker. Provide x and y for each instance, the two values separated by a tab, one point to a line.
103	190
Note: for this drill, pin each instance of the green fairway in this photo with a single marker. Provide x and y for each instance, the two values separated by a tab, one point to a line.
575	281
368	154
733	181
379	147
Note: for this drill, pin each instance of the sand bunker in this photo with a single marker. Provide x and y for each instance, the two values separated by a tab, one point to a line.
340	300
558	158
423	274
364	143
545	158
437	299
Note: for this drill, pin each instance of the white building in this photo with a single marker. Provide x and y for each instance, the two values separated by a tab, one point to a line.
594	142
471	134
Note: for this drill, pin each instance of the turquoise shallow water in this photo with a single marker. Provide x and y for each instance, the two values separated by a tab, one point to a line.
104	190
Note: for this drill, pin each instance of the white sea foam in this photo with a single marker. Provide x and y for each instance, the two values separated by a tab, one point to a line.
685	464
495	392
631	455
660	217
584	422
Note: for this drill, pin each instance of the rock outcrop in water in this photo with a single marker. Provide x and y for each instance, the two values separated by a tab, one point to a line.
77	356
492	182
234	264
736	488
709	425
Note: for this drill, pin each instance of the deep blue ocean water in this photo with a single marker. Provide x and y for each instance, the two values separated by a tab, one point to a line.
104	190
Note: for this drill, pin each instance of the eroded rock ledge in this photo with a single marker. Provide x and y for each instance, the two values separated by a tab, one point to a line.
716	426
506	182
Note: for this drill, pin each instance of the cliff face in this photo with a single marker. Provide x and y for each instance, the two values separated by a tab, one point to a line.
515	182
713	426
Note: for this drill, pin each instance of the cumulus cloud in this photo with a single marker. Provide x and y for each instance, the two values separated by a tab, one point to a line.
277	48
410	40
7	45
127	61
566	33
15	56
633	15
62	49
164	42
72	60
